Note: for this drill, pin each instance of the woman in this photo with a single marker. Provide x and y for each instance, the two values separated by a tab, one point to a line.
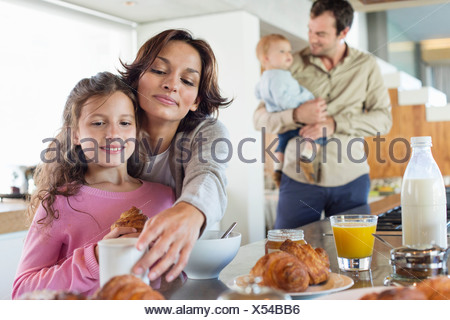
175	78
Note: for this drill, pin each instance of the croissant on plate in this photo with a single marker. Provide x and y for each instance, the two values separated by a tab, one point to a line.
323	255
132	218
316	261
127	287
283	271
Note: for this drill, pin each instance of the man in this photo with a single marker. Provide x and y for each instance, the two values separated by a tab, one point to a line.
353	103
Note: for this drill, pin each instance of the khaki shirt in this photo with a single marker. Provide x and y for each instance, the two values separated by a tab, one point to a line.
357	100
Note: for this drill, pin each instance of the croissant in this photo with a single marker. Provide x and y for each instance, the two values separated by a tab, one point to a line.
132	218
282	271
127	287
396	294
260	266
437	288
47	294
316	261
323	255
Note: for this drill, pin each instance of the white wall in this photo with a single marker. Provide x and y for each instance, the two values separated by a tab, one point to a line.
11	245
45	50
233	37
357	37
289	15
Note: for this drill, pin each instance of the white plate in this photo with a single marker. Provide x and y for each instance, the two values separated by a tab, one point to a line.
354	294
336	282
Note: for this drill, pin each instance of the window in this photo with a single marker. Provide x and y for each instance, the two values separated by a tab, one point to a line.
45	51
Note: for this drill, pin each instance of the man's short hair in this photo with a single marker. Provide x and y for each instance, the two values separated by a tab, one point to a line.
341	9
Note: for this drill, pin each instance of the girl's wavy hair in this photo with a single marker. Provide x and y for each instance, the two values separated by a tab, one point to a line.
209	96
63	167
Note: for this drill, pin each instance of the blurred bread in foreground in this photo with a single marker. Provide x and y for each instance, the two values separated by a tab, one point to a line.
127	287
437	288
396	294
51	295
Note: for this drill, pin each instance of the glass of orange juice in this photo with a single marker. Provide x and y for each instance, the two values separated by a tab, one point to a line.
354	240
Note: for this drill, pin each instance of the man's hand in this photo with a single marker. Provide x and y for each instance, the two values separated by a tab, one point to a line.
172	233
316	131
311	112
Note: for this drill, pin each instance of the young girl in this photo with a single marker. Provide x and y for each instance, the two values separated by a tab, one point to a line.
86	180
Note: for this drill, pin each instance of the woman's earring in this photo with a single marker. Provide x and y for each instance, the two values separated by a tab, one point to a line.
194	107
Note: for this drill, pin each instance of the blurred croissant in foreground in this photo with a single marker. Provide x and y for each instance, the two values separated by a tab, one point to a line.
293	268
124	287
47	294
437	288
127	287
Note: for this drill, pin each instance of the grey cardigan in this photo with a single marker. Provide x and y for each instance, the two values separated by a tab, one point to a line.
198	160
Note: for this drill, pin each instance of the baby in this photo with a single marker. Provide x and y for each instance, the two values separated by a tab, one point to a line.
280	91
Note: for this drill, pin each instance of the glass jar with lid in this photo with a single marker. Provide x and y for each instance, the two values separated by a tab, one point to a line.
410	266
276	237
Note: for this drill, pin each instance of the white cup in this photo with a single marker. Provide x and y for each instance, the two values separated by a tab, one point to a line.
117	257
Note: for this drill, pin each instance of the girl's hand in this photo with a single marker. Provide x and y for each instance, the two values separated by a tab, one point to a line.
172	233
125	232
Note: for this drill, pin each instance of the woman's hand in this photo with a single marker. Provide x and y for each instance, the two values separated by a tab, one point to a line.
173	233
125	232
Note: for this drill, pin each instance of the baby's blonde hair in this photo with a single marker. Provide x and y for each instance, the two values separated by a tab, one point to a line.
264	44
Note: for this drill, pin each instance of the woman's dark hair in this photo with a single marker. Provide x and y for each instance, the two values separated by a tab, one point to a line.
63	167
209	97
341	9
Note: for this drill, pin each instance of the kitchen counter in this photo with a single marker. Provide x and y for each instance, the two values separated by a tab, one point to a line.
13	216
9	205
318	234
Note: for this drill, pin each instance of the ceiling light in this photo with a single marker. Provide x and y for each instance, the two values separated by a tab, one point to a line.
130	3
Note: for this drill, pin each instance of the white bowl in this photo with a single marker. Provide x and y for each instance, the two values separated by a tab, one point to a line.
211	254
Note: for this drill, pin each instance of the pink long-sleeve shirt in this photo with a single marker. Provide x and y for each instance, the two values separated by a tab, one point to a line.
61	256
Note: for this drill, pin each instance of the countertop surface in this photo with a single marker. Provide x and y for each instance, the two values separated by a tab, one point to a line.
9	205
318	234
13	216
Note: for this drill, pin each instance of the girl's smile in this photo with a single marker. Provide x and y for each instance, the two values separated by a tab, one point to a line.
112	149
107	130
